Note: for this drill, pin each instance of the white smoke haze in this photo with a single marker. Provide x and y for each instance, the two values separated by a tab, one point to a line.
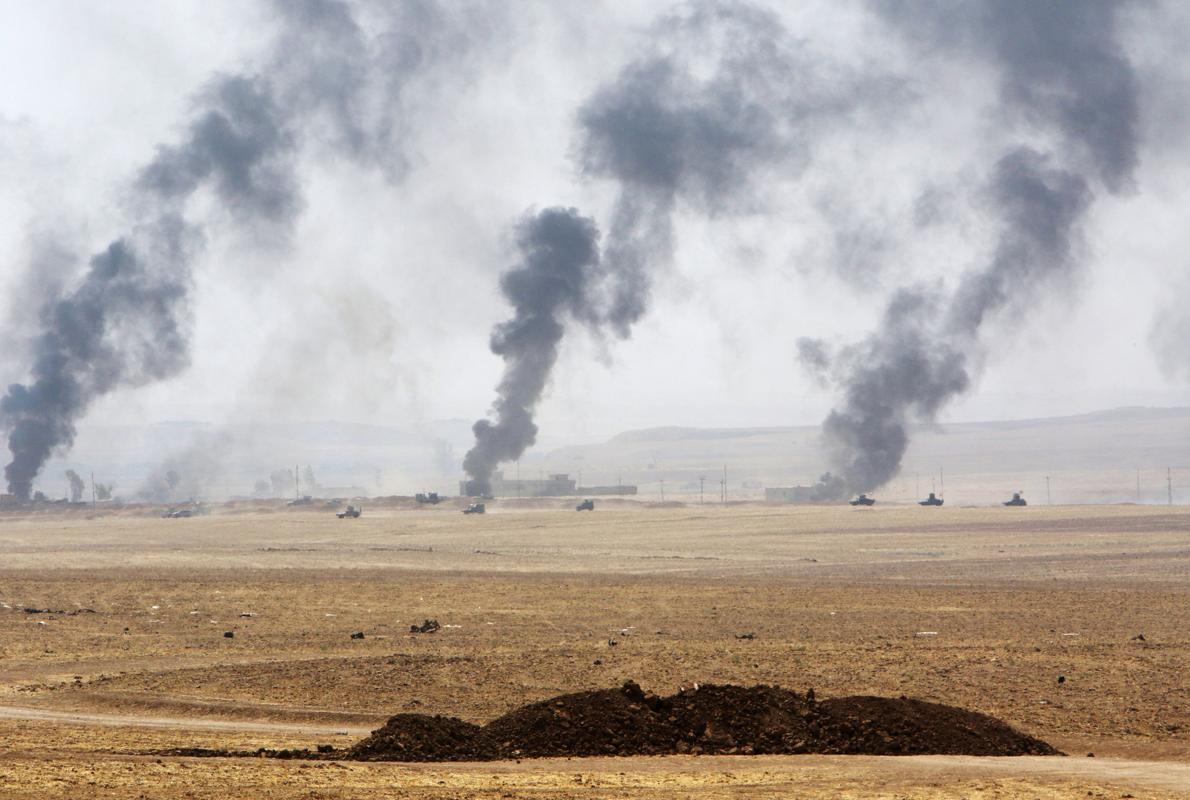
371	297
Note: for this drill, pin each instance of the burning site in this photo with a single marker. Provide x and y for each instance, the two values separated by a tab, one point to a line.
717	397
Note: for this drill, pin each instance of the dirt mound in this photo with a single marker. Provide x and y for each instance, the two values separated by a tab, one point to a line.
708	719
886	726
606	722
421	737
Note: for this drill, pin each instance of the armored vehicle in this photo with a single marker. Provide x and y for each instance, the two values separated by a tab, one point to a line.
475	508
864	500
586	505
1016	500
932	500
351	512
427	497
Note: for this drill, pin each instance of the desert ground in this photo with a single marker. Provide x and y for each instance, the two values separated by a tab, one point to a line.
113	646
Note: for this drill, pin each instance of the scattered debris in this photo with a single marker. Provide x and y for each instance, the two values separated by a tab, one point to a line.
357	635
1061	679
247	615
745	636
429	626
229	635
1140	637
926	633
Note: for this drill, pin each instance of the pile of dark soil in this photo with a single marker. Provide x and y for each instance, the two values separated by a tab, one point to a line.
421	737
709	719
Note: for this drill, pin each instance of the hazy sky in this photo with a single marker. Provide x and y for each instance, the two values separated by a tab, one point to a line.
380	307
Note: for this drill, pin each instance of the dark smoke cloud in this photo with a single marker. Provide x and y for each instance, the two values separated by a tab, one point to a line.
559	249
1062	72
125	323
728	93
1061	67
559	256
353	70
76	485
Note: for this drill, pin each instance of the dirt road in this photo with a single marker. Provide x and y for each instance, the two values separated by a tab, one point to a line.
176	723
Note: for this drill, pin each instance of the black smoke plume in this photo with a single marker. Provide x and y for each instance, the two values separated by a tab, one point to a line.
728	93
76	486
125	322
1064	74
552	283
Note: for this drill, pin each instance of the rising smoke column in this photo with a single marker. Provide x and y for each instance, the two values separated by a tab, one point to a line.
559	255
726	94
1063	73
125	323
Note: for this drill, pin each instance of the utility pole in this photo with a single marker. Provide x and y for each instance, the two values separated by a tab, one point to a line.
94	505
1138	484
702	479
663	490
1169	483
941	483
723	486
1048	499
518	479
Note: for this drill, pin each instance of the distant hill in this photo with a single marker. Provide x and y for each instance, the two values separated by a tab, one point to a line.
1088	457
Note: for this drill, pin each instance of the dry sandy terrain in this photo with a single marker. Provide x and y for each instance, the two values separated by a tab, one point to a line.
983	608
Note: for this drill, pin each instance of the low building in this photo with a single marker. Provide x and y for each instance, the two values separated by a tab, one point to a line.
557	485
789	494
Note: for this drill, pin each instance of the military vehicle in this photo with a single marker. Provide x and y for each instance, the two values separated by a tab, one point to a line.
351	512
1016	500
178	513
932	500
864	500
475	508
586	505
428	497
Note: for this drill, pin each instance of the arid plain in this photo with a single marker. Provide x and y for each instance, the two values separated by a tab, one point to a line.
113	646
